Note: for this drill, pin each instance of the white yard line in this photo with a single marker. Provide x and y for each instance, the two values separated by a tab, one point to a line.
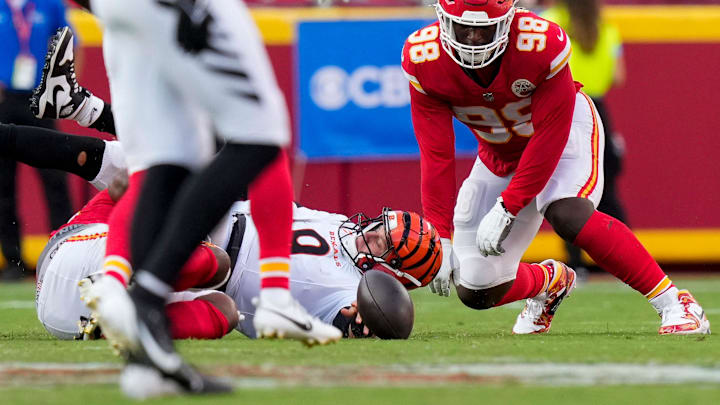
17	304
580	374
18	374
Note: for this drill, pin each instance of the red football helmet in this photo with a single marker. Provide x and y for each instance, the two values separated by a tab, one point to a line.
489	17
413	254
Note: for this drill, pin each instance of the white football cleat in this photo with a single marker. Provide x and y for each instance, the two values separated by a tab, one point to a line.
539	311
58	95
113	309
141	382
289	320
680	313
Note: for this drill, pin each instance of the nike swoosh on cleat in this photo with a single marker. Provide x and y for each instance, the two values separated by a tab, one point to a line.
92	114
552	308
307	326
56	89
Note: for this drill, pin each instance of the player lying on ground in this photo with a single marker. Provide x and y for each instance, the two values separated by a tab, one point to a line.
503	72
329	251
80	105
76	250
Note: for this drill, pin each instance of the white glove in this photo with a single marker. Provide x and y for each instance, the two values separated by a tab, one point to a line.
493	229
440	285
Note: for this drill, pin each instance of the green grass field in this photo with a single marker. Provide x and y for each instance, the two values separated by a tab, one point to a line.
603	349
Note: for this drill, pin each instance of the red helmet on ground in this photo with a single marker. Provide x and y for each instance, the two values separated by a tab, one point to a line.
413	253
475	32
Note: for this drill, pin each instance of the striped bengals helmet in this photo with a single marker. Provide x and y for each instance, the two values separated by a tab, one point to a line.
414	252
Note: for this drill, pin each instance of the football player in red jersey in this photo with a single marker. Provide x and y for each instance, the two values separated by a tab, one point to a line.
502	71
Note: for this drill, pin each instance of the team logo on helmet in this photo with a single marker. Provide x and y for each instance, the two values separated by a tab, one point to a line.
522	87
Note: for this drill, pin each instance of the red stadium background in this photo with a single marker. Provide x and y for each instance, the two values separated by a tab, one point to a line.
666	113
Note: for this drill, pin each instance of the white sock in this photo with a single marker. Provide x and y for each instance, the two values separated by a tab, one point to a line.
89	111
278	296
113	163
669	297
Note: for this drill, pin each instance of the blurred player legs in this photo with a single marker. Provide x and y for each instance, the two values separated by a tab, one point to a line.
208	57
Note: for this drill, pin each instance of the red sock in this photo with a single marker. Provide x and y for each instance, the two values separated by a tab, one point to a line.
117	252
271	198
614	247
197	319
198	270
531	279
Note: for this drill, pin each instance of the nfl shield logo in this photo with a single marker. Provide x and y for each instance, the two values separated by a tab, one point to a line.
522	87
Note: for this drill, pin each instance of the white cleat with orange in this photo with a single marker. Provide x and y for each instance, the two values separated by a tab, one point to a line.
539	311
680	313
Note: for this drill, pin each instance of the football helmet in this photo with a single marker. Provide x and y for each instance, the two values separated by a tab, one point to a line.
456	15
413	254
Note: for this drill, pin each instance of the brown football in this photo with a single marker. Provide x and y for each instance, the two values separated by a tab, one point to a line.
385	305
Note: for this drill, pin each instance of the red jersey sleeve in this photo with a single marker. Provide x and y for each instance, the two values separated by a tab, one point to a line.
552	109
432	121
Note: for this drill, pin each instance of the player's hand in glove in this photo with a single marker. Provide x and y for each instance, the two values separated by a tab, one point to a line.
440	285
493	229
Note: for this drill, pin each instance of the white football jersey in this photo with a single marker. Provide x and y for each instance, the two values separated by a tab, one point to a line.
322	278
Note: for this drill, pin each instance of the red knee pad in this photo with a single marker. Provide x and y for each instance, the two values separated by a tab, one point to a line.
197	319
198	270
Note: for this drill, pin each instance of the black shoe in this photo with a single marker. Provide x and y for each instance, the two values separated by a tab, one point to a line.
58	95
158	352
141	380
13	273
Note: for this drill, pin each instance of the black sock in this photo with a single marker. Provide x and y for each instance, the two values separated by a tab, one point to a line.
201	203
106	121
49	149
158	191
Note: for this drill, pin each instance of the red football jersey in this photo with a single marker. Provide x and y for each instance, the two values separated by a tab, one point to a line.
96	211
521	120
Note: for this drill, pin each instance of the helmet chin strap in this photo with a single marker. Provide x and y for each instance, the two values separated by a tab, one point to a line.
401	273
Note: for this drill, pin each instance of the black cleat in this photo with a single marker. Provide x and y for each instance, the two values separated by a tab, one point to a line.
58	95
156	354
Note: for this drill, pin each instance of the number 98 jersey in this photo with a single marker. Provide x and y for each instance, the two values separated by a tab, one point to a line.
499	115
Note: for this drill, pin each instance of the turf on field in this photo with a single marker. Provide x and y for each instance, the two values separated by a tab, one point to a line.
603	348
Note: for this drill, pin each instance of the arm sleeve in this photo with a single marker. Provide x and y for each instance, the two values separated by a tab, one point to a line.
552	110
432	121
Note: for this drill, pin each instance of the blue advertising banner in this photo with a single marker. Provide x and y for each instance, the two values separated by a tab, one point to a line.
354	98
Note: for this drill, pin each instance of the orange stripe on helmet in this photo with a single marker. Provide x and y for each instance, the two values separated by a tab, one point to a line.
417	248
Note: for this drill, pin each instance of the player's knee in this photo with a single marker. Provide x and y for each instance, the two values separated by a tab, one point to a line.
223	266
569	215
223	303
484	298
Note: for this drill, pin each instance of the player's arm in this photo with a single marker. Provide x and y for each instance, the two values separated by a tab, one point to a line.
93	159
552	110
432	121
